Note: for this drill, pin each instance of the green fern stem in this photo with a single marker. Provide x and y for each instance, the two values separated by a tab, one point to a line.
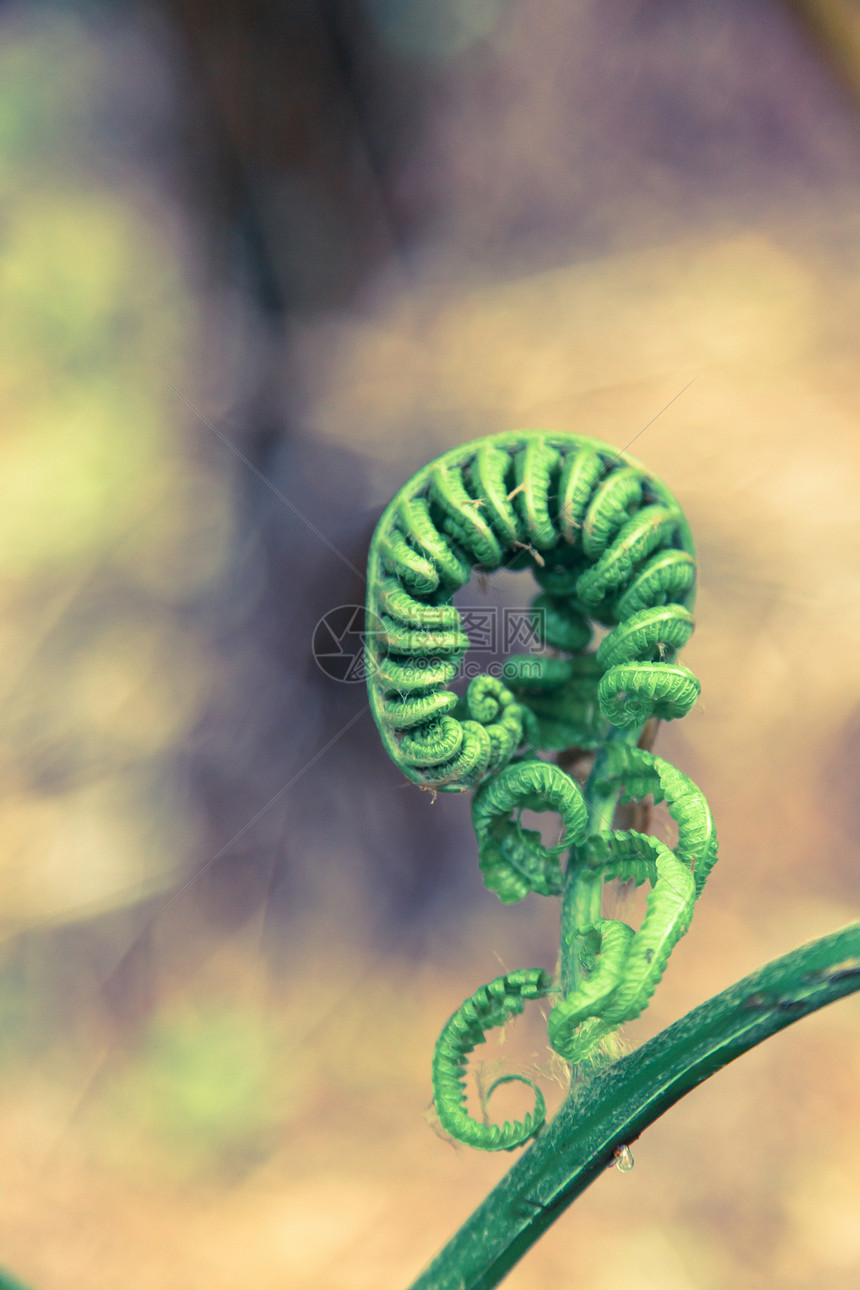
582	897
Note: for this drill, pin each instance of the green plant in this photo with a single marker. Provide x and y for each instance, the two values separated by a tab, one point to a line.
609	546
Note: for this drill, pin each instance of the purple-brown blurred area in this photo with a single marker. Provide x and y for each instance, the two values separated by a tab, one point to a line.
259	263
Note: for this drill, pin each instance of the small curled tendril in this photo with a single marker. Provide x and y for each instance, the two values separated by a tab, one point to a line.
608	546
489	1006
513	860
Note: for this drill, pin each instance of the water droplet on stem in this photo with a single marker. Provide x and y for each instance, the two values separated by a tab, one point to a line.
624	1159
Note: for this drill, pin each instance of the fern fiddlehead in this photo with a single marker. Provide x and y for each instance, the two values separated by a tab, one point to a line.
608	546
489	1006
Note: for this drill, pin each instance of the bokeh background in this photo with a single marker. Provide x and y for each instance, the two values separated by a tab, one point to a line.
259	263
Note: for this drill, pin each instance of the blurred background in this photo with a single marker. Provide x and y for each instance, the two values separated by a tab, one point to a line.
259	263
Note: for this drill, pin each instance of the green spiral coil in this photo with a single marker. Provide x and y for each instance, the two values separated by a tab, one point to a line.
607	543
608	546
489	1006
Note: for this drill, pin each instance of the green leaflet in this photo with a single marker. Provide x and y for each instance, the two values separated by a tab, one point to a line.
489	1006
513	860
608	546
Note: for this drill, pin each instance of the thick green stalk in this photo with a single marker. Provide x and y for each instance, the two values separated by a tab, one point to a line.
8	1282
617	1104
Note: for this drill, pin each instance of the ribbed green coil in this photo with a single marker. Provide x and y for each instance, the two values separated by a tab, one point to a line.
607	543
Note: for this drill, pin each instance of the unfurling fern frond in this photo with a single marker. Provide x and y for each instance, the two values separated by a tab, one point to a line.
609	547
